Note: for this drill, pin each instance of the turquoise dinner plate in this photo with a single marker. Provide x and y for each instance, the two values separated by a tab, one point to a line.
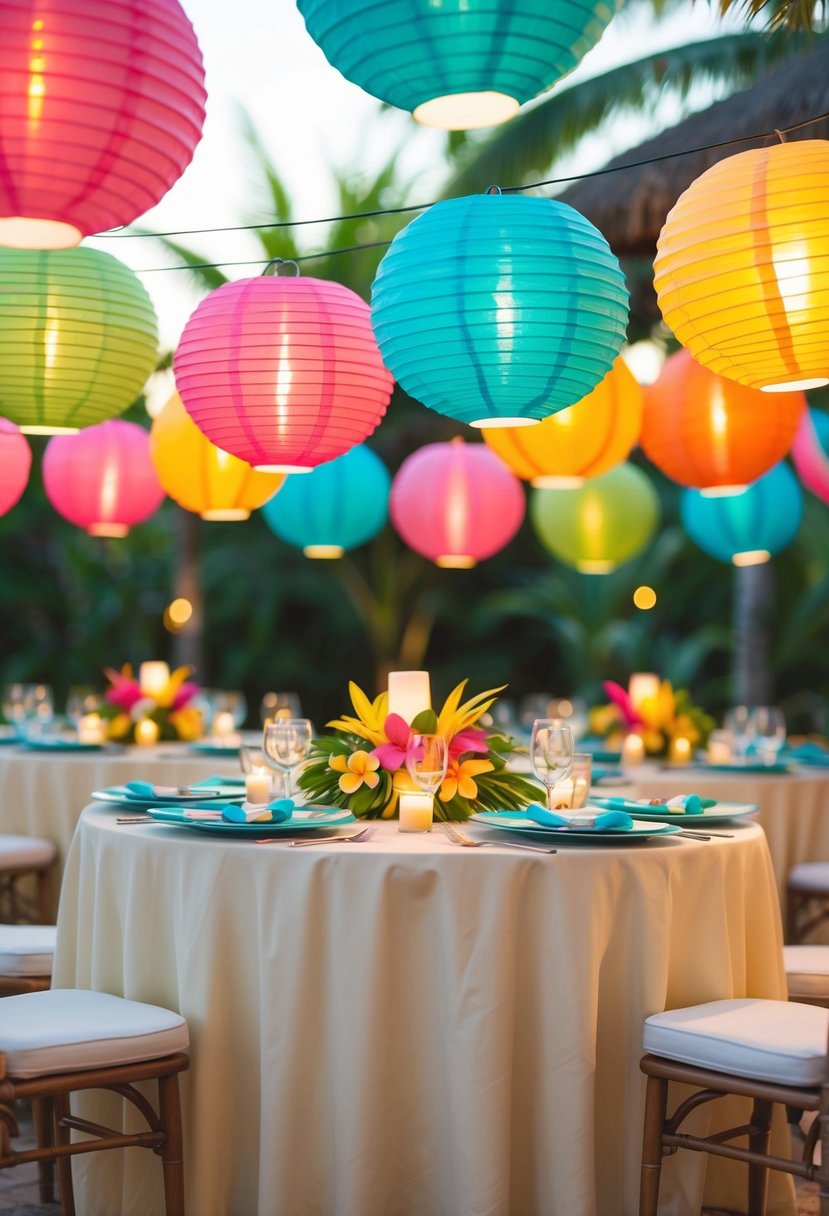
514	821
751	767
306	819
60	745
118	795
722	812
203	748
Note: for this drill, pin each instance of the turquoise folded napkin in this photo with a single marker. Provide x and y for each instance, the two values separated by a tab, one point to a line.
811	754
690	804
279	811
616	821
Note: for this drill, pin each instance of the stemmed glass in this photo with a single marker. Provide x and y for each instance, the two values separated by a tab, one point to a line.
279	705
767	727
38	709
426	761
738	724
551	753
82	699
286	742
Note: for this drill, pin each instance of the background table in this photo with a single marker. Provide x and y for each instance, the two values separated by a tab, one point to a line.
407	1028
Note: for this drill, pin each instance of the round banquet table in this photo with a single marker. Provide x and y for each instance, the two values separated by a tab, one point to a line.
43	793
409	1028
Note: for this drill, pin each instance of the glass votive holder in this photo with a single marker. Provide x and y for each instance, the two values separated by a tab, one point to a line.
251	759
572	792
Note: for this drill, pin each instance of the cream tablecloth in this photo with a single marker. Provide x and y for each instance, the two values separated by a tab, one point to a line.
406	1028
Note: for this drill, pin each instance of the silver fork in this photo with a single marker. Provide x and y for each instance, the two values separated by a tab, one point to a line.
456	836
356	838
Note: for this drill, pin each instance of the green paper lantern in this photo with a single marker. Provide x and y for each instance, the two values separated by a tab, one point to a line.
603	523
78	338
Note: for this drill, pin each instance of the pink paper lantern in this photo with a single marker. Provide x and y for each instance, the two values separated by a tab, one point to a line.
101	108
102	479
15	463
456	503
282	372
810	452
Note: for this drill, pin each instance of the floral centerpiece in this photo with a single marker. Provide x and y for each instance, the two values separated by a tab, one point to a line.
126	704
659	719
362	766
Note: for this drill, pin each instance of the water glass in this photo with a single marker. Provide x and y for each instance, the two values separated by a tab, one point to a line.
230	702
737	723
83	699
571	794
426	761
767	729
551	753
14	711
286	742
251	759
38	709
280	705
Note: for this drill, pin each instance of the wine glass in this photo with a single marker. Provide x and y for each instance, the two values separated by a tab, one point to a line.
280	705
426	761
767	727
82	699
231	702
737	723
251	758
14	709
38	708
286	742
551	753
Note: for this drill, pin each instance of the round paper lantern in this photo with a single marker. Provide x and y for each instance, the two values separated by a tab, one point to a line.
101	107
810	452
282	372
201	477
583	441
705	431
336	507
77	338
15	463
749	527
499	310
102	479
456	503
455	65
601	524
742	268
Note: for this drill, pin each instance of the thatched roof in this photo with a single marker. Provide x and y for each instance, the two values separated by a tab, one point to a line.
630	206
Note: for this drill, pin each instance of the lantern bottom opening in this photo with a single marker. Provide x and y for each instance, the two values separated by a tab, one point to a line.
595	566
722	491
466	111
226	514
49	430
283	468
323	551
112	530
751	557
550	481
793	386
499	422
456	561
26	232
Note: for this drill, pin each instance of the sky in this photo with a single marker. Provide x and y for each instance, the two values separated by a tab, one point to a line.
259	56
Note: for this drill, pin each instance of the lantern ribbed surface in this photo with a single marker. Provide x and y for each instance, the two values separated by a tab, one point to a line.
583	441
494	309
708	432
460	63
599	525
201	477
742	268
749	527
456	503
101	108
810	452
77	338
282	372
334	508
15	464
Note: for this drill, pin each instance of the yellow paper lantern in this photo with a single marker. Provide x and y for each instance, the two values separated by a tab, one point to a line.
742	268
582	441
201	477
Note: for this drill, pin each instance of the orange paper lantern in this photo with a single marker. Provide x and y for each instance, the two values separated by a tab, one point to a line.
708	432
582	441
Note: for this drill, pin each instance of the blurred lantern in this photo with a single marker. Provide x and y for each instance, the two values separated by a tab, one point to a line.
338	506
455	66
77	338
201	477
499	310
102	479
101	108
583	441
742	267
456	503
15	463
750	527
282	372
706	431
810	452
601	524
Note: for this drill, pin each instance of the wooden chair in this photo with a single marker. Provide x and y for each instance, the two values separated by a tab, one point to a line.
26	953
768	1051
63	1041
23	858
807	899
807	974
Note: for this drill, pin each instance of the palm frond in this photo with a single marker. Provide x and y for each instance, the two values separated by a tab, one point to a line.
782	14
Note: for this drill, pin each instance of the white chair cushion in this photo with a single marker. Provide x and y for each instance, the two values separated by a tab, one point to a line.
776	1041
18	851
807	970
67	1029
27	949
810	876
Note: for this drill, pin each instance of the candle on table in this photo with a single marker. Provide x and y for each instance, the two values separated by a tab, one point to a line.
91	729
642	686
719	749
633	750
416	812
409	693
680	751
562	794
223	725
146	732
153	678
258	786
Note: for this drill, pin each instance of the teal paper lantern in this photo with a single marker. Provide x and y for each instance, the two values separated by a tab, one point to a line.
499	310
749	527
335	507
456	64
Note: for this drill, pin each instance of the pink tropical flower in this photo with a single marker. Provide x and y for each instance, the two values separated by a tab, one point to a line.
392	755
620	697
469	740
125	691
184	694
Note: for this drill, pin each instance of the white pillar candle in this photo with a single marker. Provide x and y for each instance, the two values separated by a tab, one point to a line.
633	751
91	729
680	750
223	725
719	749
258	786
643	685
153	678
409	693
146	732
416	812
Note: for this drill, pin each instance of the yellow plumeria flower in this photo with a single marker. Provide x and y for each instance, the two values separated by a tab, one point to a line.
459	778
165	698
370	716
360	768
187	723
